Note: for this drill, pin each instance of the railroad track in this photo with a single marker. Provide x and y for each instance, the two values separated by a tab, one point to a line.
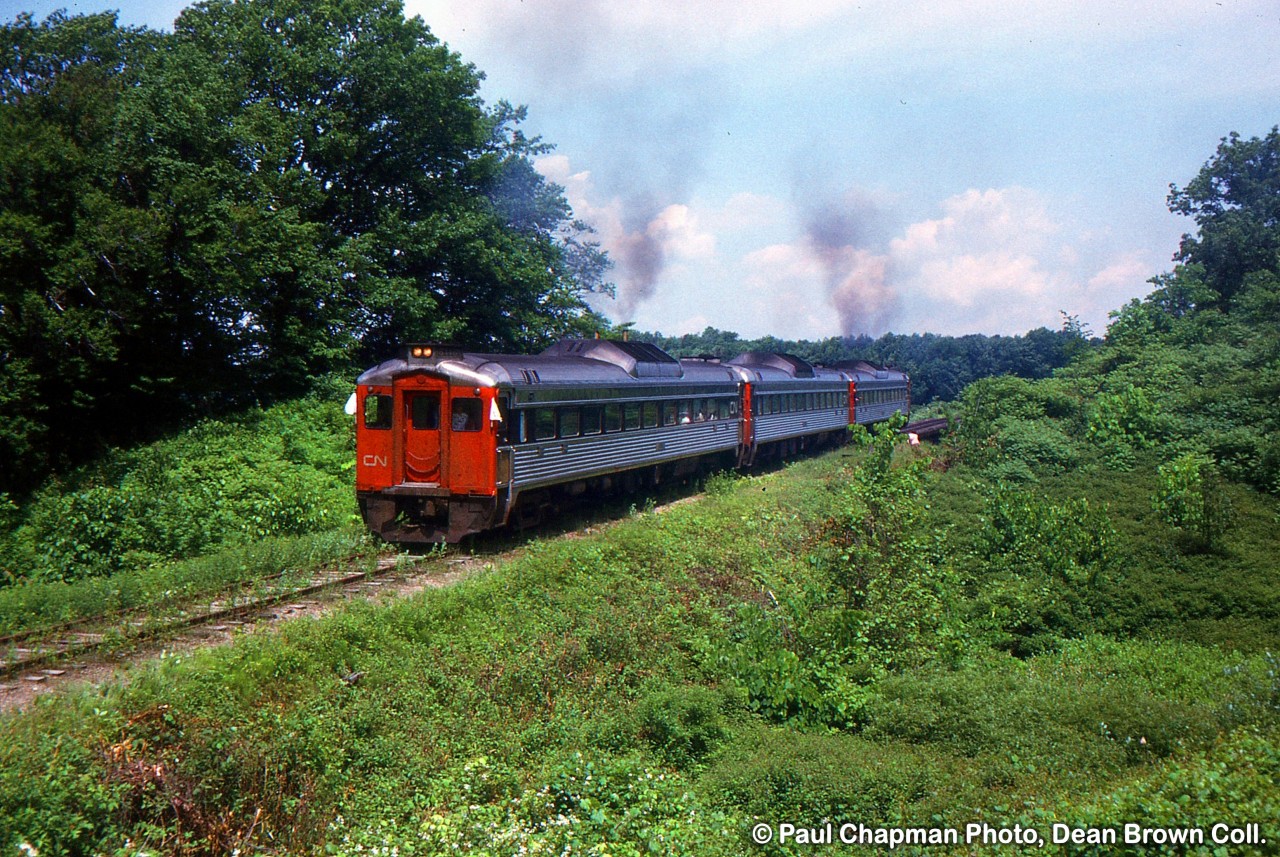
34	655
925	428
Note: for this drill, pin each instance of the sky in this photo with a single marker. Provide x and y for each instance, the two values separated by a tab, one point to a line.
842	167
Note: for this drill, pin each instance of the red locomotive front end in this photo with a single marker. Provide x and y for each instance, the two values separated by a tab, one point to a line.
427	431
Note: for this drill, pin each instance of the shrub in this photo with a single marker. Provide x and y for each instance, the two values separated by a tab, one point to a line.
1189	497
682	723
783	775
1040	444
280	472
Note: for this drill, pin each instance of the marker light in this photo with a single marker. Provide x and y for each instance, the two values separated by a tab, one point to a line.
420	351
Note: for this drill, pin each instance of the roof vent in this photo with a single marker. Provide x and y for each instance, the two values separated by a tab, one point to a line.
638	359
789	363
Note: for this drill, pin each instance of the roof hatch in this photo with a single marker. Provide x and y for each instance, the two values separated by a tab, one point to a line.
638	359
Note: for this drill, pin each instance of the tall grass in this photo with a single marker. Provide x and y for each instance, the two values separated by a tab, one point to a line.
587	697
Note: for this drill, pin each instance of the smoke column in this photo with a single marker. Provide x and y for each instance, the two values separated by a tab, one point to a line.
857	279
641	254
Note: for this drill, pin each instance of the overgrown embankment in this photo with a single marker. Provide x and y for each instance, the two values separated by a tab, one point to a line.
857	638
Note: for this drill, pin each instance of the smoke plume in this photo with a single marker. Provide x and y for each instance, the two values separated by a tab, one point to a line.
641	253
857	279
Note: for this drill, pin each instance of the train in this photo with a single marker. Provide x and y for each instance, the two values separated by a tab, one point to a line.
450	443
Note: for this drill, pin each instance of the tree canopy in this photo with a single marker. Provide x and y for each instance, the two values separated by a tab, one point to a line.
1235	202
198	220
939	366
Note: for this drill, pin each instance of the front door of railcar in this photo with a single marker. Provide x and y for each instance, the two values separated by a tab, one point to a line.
424	441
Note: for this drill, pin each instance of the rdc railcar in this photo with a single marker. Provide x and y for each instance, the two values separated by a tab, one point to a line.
450	442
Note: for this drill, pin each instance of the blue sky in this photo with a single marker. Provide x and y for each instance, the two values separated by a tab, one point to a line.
856	167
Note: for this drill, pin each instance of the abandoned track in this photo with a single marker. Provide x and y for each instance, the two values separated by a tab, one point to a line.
926	428
35	647
92	649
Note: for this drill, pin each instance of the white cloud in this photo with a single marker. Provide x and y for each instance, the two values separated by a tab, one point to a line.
588	45
994	260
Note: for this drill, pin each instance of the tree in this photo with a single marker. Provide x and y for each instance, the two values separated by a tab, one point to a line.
64	298
1235	201
1190	498
211	218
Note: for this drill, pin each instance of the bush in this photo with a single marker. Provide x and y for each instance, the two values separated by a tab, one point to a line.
1189	497
682	723
281	472
1040	444
783	775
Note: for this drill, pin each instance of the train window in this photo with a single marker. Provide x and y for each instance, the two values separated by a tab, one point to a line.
592	419
544	424
650	414
377	411
466	414
701	413
685	413
722	409
668	413
613	417
631	417
809	403
424	411
570	422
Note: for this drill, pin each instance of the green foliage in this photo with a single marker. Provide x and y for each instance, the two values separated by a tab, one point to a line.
777	774
1122	422
1002	424
1232	783
682	723
1189	497
1235	201
208	219
31	604
1036	445
604	806
1037	562
1072	542
686	655
280	472
879	598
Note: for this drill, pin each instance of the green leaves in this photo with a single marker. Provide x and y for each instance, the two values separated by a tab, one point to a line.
1235	201
214	218
1190	499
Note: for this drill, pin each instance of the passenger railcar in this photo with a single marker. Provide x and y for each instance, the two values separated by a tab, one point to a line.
450	443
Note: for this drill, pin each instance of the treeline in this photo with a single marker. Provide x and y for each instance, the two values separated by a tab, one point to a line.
939	366
1191	373
196	221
